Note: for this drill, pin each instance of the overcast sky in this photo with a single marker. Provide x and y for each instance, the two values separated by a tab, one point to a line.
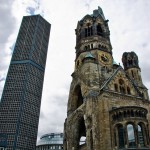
129	23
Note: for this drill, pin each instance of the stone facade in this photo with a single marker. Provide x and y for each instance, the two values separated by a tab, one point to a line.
108	106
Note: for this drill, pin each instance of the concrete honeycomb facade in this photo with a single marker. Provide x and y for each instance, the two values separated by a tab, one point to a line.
108	105
21	98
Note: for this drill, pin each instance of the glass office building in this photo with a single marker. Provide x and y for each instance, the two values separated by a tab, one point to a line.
21	98
50	141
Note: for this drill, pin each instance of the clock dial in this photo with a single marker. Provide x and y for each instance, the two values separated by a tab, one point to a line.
105	58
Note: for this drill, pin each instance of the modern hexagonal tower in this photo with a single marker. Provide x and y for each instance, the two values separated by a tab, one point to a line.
21	98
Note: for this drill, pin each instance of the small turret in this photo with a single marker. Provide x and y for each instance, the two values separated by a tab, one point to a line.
132	69
130	60
131	66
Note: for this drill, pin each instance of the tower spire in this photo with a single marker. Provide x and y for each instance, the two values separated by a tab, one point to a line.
131	66
92	33
98	11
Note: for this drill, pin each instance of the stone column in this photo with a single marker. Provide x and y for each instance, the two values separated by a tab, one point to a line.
74	141
137	136
65	137
125	135
144	132
89	134
117	137
94	29
135	127
148	138
82	32
88	139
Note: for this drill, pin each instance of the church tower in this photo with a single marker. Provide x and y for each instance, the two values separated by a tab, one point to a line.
132	69
108	108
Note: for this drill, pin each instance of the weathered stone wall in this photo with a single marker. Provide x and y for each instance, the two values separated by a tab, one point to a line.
99	88
96	114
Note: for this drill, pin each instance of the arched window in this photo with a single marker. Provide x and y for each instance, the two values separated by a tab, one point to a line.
125	114
130	61
120	115
131	136
136	114
99	30
114	117
121	82
132	73
140	114
128	113
132	113
121	136
88	31
85	48
116	87
122	89
99	46
91	46
82	132
76	100
140	135
82	140
128	90
122	86
78	63
79	98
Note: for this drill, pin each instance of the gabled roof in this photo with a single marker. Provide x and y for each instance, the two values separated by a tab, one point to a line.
113	76
110	78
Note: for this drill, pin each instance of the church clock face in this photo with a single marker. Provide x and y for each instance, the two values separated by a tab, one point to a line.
105	58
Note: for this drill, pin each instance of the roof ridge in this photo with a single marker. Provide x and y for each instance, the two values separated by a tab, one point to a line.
110	77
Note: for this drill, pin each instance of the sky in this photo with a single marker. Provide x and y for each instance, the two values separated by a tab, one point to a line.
129	24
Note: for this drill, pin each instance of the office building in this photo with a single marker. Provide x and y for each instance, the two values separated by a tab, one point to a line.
52	141
21	97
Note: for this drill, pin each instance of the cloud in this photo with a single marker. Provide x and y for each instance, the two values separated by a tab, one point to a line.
30	10
8	19
129	29
2	79
54	114
7	27
88	3
144	45
12	47
42	115
32	7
